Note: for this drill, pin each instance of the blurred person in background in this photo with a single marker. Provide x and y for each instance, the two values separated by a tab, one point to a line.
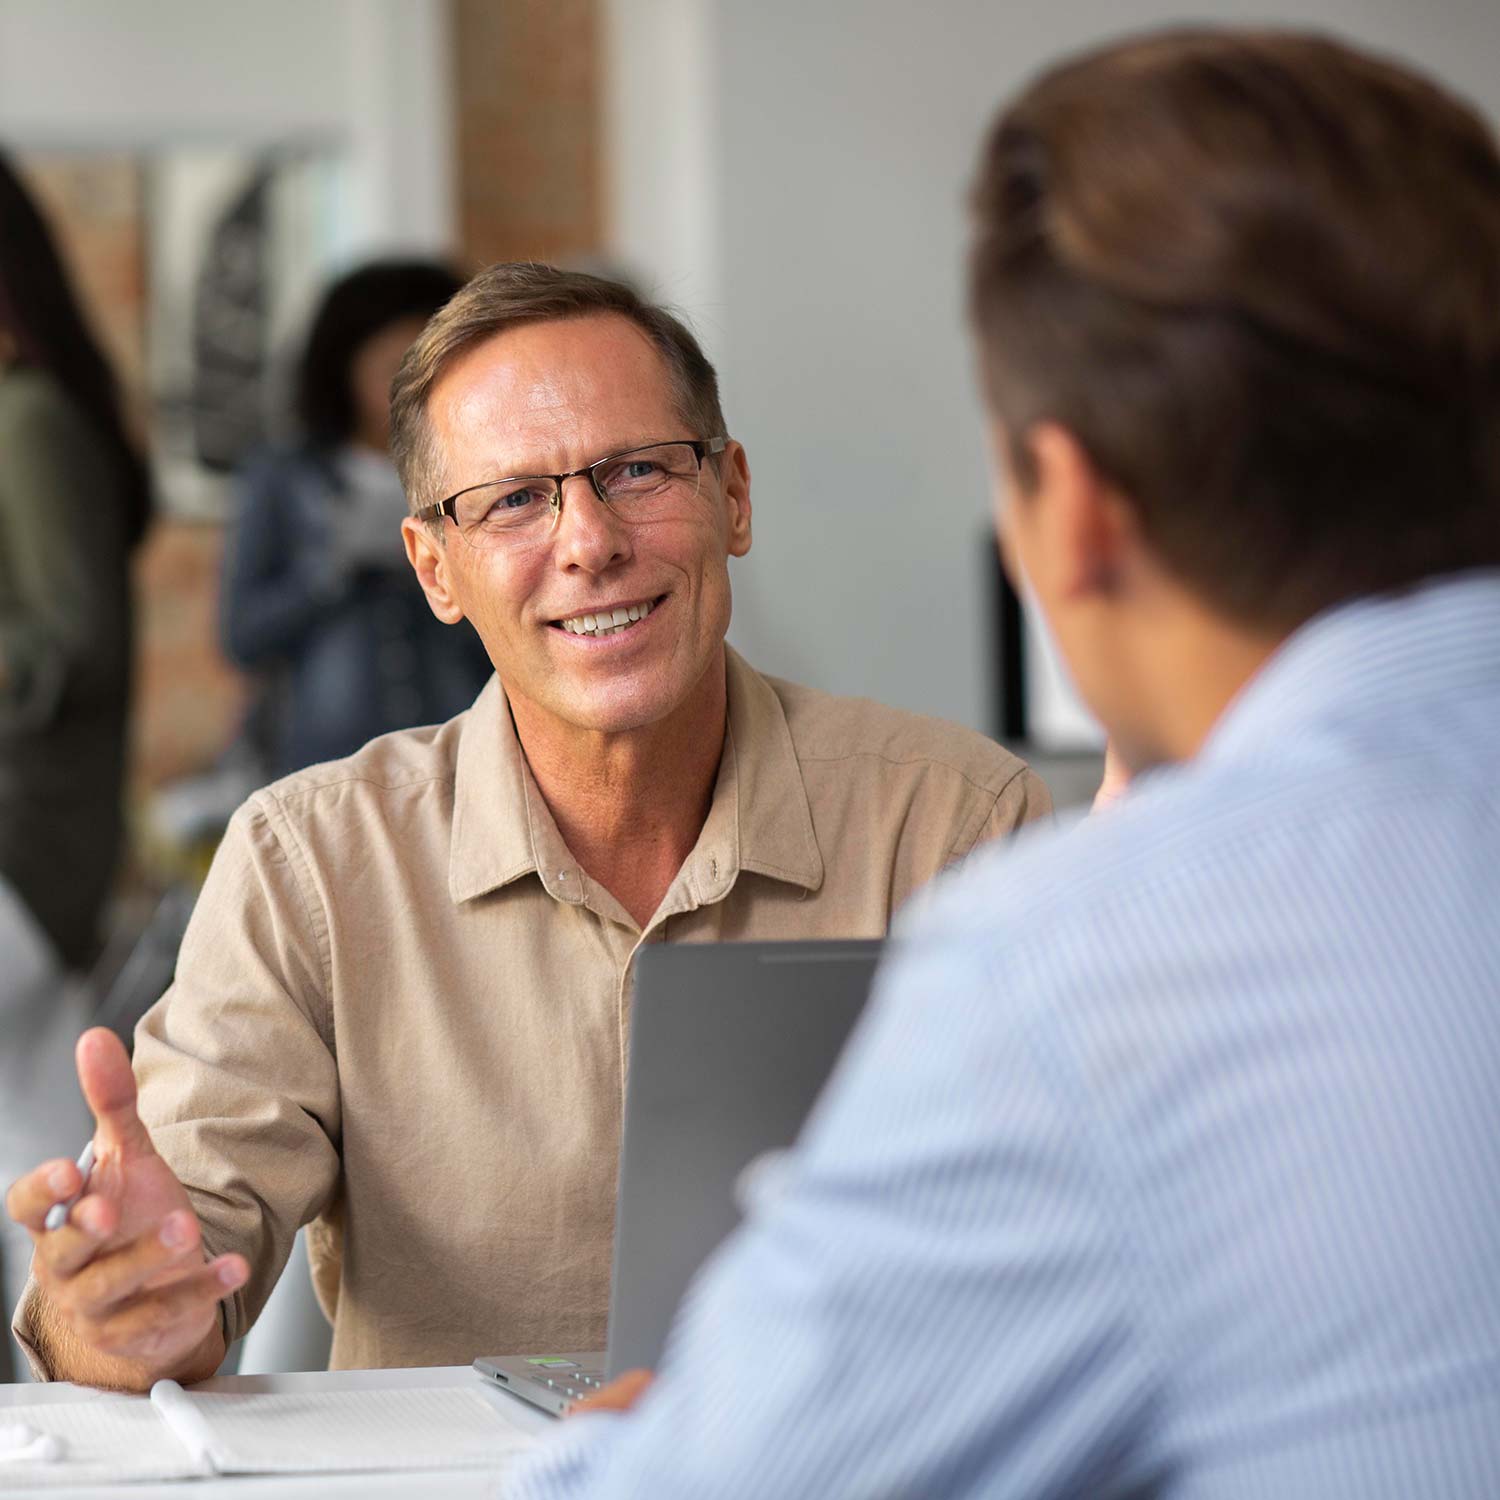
318	597
74	503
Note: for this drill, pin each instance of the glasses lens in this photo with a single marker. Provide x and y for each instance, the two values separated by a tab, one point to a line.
649	482
646	484
494	511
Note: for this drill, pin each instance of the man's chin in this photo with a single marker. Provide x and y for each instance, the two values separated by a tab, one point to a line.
621	707
622	698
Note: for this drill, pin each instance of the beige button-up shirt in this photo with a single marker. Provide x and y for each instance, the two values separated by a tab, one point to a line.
400	1009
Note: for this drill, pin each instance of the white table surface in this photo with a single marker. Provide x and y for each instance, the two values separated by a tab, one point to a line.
416	1483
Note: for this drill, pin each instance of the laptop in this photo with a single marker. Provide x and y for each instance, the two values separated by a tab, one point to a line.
730	1044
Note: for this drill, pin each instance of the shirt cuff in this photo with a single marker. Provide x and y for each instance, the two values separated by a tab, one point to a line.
23	1330
22	1327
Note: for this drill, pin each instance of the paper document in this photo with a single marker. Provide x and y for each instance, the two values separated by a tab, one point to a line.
178	1434
105	1439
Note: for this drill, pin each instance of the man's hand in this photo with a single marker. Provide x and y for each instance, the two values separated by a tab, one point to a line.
620	1394
124	1280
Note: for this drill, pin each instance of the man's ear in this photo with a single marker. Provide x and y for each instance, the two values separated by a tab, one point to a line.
1083	531
427	553
734	480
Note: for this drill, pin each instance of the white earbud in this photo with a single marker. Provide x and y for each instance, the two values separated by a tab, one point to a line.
20	1444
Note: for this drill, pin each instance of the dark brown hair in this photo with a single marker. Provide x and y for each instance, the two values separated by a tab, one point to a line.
506	296
359	305
1257	276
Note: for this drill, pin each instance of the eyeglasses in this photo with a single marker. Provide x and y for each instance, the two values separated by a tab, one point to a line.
640	485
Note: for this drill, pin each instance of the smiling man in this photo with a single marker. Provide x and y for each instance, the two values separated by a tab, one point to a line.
602	593
400	1011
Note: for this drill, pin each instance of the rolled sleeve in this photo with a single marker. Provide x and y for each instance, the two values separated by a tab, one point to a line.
23	1330
236	1067
236	1071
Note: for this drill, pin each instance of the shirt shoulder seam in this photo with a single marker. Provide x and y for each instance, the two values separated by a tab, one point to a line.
970	838
285	793
920	760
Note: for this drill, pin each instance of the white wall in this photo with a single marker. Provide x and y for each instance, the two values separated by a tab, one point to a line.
805	207
368	77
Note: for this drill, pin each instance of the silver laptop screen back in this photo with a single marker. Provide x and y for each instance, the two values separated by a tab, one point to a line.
730	1045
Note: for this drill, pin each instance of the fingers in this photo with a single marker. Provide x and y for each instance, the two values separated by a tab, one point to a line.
85	1281
143	1299
103	1283
62	1252
31	1196
165	1321
69	1262
109	1089
620	1394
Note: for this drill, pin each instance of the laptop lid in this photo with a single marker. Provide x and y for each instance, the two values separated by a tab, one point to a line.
730	1044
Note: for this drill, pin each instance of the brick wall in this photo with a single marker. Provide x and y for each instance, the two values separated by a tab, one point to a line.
189	699
94	203
529	174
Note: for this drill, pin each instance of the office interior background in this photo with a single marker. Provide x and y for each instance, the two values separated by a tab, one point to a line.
789	173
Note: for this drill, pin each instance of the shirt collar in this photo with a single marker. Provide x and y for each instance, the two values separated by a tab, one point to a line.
759	819
493	794
1376	655
776	835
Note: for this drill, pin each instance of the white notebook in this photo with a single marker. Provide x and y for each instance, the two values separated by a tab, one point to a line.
178	1434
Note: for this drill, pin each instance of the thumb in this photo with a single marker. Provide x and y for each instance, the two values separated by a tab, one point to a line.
109	1090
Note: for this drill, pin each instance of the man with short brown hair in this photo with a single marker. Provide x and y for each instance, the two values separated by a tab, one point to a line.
1167	1160
400	1012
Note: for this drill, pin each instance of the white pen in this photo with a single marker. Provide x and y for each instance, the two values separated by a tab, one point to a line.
186	1421
57	1215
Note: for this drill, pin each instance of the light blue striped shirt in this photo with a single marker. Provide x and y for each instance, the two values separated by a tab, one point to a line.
1167	1160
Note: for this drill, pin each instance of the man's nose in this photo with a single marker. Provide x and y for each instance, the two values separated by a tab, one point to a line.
589	535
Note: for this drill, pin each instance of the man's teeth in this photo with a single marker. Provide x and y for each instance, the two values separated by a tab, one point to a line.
607	623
